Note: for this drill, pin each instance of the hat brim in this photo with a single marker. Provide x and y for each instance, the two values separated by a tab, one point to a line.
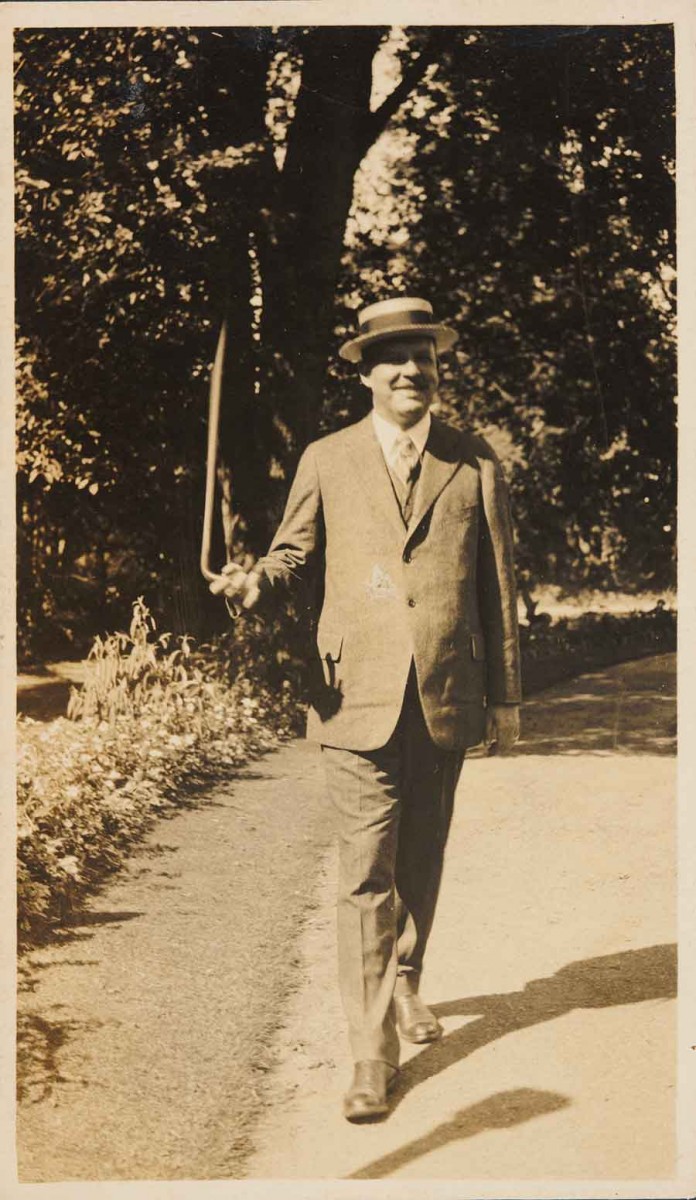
442	335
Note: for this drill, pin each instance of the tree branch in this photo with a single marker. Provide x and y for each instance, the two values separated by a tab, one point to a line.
378	120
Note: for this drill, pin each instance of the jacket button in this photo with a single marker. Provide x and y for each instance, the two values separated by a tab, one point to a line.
411	602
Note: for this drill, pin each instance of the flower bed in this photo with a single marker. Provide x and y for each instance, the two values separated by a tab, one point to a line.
150	726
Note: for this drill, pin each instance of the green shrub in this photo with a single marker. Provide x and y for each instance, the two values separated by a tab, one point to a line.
149	725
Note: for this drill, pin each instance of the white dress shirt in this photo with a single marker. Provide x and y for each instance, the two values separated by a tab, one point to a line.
387	433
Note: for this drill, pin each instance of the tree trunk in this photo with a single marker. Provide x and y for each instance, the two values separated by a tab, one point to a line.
326	143
273	381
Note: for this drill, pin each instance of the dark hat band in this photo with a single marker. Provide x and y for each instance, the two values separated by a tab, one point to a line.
386	321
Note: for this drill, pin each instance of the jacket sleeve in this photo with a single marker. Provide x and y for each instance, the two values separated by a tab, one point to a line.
497	589
289	566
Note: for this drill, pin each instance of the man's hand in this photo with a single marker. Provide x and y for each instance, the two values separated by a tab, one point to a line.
502	727
237	585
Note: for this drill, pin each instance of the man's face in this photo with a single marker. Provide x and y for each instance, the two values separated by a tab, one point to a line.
402	374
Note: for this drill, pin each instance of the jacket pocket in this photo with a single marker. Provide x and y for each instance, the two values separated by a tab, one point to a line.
478	647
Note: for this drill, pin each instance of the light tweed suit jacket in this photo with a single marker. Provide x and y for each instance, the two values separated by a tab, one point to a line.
439	591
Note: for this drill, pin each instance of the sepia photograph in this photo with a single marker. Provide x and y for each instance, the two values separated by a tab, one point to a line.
345	436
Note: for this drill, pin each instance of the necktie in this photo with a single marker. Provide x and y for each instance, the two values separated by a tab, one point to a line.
406	466
406	460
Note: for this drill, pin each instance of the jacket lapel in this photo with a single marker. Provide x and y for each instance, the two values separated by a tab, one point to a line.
441	458
371	468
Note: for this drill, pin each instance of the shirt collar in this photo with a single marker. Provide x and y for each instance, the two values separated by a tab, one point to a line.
387	433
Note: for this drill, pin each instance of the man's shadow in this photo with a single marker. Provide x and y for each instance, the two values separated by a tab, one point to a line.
629	977
501	1111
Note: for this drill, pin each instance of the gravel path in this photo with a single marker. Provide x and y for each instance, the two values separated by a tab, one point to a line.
551	966
146	1031
163	1033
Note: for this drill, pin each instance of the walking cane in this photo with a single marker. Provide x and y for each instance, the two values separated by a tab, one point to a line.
211	465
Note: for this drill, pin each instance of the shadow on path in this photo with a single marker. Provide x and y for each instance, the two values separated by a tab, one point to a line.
500	1111
43	694
71	930
629	977
629	709
39	1045
45	699
40	1040
93	917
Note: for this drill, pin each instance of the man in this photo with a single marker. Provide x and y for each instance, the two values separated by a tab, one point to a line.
406	522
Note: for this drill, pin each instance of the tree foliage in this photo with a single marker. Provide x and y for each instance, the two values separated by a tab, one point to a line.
543	164
521	178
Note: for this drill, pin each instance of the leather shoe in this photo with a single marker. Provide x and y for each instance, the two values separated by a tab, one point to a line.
366	1099
414	1019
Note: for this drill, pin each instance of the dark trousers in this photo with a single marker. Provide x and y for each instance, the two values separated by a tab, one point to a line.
394	810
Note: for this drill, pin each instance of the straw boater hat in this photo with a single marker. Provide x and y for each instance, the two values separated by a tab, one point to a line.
396	318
